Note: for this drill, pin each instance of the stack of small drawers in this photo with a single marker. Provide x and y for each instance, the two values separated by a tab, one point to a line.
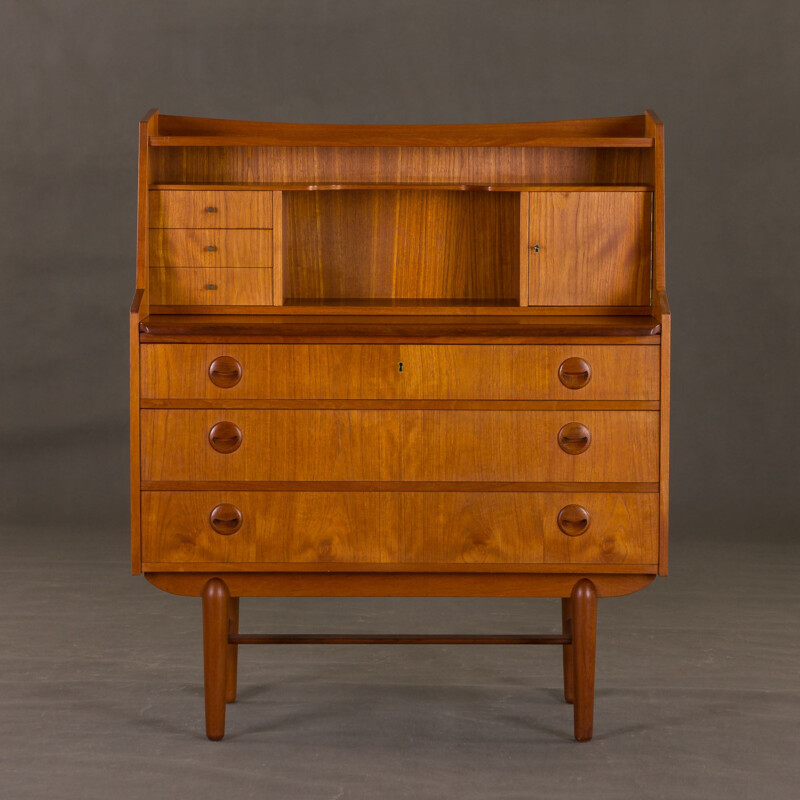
211	248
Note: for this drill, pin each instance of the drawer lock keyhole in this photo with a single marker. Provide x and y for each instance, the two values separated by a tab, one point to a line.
399	366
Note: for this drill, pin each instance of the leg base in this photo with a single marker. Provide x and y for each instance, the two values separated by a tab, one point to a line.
221	640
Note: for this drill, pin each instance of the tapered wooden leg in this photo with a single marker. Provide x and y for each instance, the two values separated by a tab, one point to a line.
566	629
584	630
232	661
215	649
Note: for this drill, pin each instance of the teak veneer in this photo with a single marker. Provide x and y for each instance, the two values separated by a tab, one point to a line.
400	361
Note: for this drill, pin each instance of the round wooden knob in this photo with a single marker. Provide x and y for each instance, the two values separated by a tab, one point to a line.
225	372
574	373
574	438
225	437
573	520
225	519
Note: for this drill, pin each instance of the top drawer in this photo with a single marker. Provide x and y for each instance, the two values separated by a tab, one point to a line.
399	372
199	208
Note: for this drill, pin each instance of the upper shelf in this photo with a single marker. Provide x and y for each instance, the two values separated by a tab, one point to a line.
175	131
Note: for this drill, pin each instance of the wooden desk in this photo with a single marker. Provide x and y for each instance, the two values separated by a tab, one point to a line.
400	361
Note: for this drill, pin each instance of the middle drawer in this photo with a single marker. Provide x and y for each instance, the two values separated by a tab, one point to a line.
392	445
402	372
187	247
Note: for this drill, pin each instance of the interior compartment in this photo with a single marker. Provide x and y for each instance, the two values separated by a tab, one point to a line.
405	244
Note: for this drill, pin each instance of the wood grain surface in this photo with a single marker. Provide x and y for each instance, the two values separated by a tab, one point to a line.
189	247
392	584
210	208
401	244
412	372
371	326
398	527
361	445
402	164
210	286
593	248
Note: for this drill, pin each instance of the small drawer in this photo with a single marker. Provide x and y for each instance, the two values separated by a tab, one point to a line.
210	287
183	247
180	208
390	445
402	528
404	372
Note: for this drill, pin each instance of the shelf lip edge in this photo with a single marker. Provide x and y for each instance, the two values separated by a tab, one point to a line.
463	186
622	142
300	332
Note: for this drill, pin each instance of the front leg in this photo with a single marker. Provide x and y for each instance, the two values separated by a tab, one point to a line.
584	632
216	599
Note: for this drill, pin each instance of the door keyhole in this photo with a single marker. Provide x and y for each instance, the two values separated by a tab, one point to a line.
399	366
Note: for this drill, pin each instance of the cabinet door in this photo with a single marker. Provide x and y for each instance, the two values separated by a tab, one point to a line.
589	248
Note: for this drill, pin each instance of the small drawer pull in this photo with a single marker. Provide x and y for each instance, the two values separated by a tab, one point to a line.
225	519
573	520
225	372
211	248
225	437
574	373
574	438
212	209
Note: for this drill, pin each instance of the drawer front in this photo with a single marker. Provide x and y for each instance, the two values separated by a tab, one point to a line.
404	372
400	527
210	287
378	445
179	208
184	247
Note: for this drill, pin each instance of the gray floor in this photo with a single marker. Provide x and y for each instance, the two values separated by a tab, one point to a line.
100	686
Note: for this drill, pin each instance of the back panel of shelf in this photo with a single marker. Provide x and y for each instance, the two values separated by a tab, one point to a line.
402	244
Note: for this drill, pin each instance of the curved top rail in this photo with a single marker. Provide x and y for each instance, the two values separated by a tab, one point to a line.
602	132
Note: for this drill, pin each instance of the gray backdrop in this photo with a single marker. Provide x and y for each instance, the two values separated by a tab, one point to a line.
101	674
78	75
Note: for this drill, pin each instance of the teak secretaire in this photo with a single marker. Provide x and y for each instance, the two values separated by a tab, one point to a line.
400	361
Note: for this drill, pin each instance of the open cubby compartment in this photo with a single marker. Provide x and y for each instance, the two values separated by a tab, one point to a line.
400	246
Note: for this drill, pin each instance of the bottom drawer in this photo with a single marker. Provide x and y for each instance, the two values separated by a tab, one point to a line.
210	286
569	528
